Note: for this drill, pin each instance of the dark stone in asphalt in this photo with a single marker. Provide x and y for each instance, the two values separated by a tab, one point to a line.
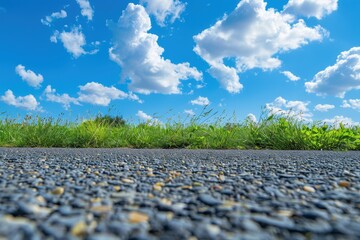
209	200
178	194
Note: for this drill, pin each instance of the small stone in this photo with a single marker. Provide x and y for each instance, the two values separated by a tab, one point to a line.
101	209
344	184
197	184
213	229
285	223
166	201
309	189
158	186
217	187
209	200
117	188
95	200
40	199
137	217
285	213
222	178
102	184
126	180
79	229
58	191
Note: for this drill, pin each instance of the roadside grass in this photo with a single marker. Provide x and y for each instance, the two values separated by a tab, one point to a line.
270	132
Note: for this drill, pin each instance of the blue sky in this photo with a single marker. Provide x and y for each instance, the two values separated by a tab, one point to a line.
167	58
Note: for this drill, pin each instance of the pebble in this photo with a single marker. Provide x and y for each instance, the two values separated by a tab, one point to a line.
344	184
58	191
137	217
309	189
79	229
209	200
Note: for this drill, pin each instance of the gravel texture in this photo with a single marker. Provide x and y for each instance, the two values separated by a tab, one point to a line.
178	194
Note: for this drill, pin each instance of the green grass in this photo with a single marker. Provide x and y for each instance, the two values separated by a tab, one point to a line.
274	132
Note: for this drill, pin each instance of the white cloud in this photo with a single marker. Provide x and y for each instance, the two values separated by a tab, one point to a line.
54	37
63	99
253	36
290	76
27	102
144	116
324	107
189	112
92	93
201	101
296	109
86	9
340	78
147	118
351	103
164	9
56	15
97	94
73	41
311	8
140	56
348	122
31	78
251	118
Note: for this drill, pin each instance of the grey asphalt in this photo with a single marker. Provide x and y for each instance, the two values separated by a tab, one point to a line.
178	194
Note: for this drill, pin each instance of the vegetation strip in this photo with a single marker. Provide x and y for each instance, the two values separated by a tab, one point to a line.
274	132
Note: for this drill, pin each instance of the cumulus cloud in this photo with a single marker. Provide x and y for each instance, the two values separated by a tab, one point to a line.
86	9
348	122
27	102
251	35
92	93
147	118
31	78
251	118
201	101
140	56
73	41
63	99
97	94
339	78
290	76
324	107
351	103
144	116
164	9
56	15
189	112
296	109
311	8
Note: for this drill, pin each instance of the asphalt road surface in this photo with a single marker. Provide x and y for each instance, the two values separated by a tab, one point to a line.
178	194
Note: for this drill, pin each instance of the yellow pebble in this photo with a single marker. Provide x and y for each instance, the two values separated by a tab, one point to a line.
344	184
157	187
100	209
79	230
126	180
58	191
309	189
137	217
